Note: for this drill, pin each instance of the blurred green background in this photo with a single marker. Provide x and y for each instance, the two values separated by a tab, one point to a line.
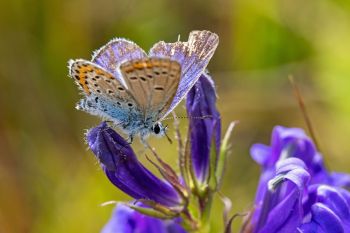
50	182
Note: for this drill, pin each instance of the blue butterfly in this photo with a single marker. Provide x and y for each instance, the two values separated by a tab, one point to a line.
137	91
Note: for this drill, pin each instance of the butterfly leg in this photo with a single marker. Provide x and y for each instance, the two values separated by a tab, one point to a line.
130	139
144	142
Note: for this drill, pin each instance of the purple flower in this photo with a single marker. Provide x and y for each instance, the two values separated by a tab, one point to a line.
326	209
205	126
121	166
127	220
296	193
280	208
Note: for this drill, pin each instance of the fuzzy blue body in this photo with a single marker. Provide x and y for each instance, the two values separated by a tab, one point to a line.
129	118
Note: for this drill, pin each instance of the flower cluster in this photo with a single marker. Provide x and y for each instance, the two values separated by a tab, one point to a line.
169	197
296	193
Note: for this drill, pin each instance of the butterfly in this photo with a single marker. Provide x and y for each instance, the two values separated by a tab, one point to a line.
137	91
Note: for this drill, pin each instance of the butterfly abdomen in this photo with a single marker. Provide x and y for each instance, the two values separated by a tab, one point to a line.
124	116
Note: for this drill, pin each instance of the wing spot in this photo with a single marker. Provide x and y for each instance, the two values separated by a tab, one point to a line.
130	104
98	91
143	79
108	81
110	92
164	72
97	77
159	88
149	76
156	73
120	89
77	71
96	99
119	103
77	77
93	79
86	82
96	85
133	78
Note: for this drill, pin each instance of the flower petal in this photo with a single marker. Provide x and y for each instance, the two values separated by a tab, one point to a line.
291	142
293	169
323	220
334	200
126	220
295	140
201	102
328	206
260	153
280	209
340	179
285	216
193	56
124	170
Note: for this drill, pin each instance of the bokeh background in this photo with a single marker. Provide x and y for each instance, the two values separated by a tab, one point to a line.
50	182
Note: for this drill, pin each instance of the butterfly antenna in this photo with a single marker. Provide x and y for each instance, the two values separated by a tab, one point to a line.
302	107
166	135
189	117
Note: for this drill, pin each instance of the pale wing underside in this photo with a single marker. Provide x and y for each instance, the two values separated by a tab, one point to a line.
193	55
153	83
116	52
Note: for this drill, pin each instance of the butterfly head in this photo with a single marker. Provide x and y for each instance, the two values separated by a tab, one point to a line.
159	130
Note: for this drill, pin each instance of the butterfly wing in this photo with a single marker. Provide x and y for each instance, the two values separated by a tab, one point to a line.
153	83
105	95
193	55
115	52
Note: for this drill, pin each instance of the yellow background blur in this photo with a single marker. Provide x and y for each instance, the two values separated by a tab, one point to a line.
49	182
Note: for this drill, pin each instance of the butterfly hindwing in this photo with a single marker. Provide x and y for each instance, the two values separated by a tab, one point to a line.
152	82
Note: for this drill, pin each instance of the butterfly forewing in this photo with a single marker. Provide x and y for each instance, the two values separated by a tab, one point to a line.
193	55
153	83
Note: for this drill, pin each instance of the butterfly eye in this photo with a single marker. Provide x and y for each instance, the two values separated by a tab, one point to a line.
156	128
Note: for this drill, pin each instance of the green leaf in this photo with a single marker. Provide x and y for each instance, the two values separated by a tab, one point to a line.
150	212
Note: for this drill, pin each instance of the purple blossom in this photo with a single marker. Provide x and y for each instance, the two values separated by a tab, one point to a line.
280	209
123	169
205	132
127	220
326	209
296	193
